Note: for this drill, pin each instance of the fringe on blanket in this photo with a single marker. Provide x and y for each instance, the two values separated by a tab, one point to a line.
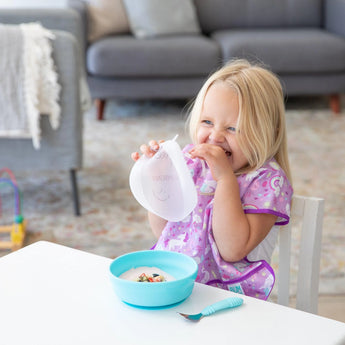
36	90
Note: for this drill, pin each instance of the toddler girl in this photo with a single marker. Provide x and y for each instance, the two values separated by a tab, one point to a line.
240	167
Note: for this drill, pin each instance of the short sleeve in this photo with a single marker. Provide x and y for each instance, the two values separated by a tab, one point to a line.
267	190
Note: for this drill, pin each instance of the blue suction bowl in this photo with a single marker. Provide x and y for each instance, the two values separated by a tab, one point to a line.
183	268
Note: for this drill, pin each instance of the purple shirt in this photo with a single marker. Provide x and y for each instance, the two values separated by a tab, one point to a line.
266	190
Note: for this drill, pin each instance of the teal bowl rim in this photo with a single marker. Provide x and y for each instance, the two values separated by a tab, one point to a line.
171	282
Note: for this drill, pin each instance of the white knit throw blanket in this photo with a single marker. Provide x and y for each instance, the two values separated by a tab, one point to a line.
28	83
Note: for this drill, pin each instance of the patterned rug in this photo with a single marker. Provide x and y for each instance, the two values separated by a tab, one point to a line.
113	223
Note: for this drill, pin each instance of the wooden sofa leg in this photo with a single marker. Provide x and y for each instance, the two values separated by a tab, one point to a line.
334	103
100	104
75	192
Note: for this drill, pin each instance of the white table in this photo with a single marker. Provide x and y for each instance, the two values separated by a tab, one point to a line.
51	294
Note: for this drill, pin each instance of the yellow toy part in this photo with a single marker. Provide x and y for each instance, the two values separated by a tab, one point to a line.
16	233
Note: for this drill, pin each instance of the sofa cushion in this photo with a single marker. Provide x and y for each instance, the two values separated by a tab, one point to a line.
106	17
224	14
171	56
150	18
286	50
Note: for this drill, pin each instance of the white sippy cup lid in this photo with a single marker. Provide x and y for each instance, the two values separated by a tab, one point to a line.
163	184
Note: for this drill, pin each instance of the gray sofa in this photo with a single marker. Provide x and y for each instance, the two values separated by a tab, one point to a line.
60	149
302	41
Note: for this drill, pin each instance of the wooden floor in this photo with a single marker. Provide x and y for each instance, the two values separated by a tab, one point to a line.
332	307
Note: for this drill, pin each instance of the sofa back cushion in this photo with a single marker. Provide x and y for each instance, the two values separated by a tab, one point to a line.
228	14
152	18
106	17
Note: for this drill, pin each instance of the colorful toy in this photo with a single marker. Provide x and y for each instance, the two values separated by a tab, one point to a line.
17	229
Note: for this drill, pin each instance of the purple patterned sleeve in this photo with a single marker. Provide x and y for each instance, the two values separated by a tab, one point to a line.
267	191
193	164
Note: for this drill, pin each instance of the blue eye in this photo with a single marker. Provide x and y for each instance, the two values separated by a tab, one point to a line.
207	122
232	129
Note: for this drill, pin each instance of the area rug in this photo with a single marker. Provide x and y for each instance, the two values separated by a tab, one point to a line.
113	223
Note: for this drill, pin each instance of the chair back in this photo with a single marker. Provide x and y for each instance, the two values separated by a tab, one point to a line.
309	212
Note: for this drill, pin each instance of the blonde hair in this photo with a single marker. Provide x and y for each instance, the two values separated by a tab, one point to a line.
261	128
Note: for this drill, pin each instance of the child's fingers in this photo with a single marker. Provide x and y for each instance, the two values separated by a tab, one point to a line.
135	156
147	150
197	152
212	154
154	146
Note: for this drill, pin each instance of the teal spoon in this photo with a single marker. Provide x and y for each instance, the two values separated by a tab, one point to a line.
228	303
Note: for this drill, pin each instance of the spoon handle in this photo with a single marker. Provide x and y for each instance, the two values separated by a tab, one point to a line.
231	302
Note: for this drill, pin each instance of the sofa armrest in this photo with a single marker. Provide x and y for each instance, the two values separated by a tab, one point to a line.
334	16
67	60
80	7
64	19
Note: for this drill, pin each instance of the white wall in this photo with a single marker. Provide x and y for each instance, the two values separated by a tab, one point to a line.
32	3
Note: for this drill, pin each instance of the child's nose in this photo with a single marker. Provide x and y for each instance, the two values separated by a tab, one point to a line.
217	136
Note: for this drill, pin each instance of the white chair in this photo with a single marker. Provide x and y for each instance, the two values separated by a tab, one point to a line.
310	212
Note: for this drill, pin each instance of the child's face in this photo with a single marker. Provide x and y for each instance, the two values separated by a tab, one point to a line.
218	123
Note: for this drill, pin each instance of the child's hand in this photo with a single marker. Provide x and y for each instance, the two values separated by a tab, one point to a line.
148	150
216	159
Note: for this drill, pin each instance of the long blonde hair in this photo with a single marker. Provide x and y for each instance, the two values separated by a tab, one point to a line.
261	127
